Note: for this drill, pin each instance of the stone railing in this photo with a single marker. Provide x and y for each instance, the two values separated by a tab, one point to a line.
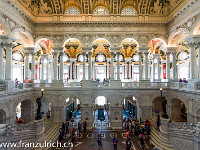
21	127
159	84
101	84
130	84
72	84
2	88
179	85
181	125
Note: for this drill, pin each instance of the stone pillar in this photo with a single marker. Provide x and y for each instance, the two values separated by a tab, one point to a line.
146	63
130	69
8	60
26	65
42	70
126	70
196	134
140	65
55	65
116	118
47	69
84	65
112	65
164	128
71	70
107	70
39	133
61	67
75	70
33	67
158	66
1	61
168	65
90	66
153	69
118	66
174	71
199	57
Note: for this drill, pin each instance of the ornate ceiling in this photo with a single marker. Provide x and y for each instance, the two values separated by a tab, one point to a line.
114	7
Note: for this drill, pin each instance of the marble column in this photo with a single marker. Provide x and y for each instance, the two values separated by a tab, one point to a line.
1	61
112	65
146	63
199	57
140	65
153	69
174	73
90	66
42	70
61	66
158	66
8	60
107	70
75	71
71	70
168	65
26	65
84	65
55	65
126	70
118	66
33	67
130	70
47	69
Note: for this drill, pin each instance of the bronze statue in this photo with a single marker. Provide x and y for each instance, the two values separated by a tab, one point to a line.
164	103
39	103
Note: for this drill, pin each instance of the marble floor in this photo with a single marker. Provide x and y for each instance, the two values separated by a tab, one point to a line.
88	141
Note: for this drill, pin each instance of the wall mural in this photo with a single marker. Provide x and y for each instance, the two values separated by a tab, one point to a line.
101	45
129	47
73	47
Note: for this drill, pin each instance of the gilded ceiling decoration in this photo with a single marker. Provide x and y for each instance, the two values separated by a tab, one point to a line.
114	7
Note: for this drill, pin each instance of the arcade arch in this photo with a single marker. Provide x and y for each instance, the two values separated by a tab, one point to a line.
2	117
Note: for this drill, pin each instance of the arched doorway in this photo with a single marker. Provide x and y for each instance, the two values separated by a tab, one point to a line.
101	112
72	107
2	117
157	105
129	107
24	112
45	108
177	111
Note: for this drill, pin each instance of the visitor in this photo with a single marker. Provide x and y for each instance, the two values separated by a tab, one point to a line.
27	80
127	134
141	136
48	114
67	127
17	119
84	126
16	83
115	141
128	144
154	147
180	80
158	124
63	125
20	120
99	139
79	127
184	80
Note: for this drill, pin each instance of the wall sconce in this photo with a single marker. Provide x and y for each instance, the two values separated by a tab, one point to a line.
42	91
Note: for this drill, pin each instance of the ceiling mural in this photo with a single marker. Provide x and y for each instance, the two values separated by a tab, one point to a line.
73	47
46	46
49	7
129	46
101	45
2	32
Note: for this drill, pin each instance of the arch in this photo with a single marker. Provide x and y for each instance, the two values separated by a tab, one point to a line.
5	26
155	42
195	26
101	100
157	104
129	10
5	114
2	117
72	10
24	110
72	47
177	110
44	45
100	10
129	47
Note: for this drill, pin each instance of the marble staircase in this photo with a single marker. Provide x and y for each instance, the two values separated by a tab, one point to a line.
51	133
156	139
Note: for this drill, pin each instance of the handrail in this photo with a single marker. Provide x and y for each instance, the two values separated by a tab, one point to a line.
181	125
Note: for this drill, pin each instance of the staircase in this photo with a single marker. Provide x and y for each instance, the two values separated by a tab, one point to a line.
51	133
156	139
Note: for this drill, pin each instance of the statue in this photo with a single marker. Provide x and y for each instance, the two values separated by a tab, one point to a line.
164	103
39	103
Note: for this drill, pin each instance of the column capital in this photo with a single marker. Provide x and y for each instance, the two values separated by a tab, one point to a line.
26	53
61	53
118	53
171	49
115	49
84	53
55	53
5	39
90	53
58	49
44	56
86	49
139	53
193	40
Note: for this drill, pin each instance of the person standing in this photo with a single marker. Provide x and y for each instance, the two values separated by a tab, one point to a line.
128	144
99	140
115	141
84	126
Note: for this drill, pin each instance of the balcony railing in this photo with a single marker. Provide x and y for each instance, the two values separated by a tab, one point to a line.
181	125
2	88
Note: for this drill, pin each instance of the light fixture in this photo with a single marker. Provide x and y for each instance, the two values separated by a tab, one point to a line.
161	92
42	91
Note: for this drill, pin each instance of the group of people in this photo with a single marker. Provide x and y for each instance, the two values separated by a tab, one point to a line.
183	80
137	129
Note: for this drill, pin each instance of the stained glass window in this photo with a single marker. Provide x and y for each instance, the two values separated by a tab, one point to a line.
100	11
129	11
73	11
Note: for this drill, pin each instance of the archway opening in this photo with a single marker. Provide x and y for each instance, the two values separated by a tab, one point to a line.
24	112
101	112
129	108
178	111
2	117
73	111
45	108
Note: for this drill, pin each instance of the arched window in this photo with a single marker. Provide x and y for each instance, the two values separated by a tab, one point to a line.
72	11
100	11
129	11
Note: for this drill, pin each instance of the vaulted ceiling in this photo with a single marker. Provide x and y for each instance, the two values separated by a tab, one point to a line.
114	7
